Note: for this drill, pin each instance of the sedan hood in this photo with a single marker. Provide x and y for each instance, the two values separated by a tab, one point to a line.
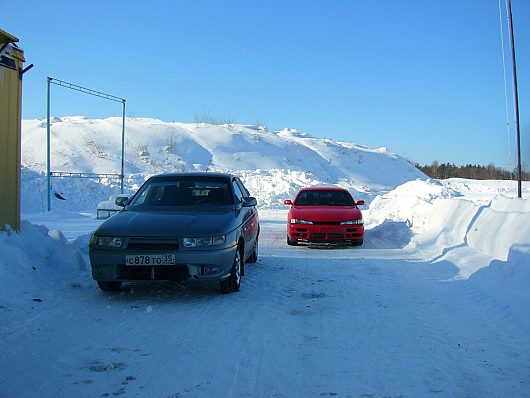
158	223
325	213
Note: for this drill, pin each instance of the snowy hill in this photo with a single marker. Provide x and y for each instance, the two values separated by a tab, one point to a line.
273	164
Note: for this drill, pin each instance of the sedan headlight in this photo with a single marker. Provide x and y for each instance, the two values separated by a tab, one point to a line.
107	241
201	242
350	222
298	221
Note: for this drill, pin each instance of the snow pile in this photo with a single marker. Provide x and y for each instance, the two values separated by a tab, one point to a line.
67	193
36	264
409	203
470	225
473	233
276	164
394	217
272	186
438	221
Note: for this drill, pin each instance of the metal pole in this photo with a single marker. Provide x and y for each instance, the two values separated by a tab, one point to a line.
122	144
516	101
48	148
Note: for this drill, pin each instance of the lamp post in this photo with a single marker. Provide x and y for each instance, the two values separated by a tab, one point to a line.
516	100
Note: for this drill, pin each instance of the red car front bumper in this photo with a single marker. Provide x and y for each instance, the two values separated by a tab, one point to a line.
331	233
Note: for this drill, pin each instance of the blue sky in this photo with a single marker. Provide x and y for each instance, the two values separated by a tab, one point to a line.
423	78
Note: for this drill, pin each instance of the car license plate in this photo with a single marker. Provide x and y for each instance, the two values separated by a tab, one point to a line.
150	259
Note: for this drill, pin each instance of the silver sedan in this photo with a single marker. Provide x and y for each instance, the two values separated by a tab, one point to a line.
179	227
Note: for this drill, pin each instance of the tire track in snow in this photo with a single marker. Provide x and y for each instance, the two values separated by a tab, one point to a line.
255	337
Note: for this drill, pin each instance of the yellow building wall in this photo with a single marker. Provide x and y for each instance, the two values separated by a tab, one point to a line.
10	131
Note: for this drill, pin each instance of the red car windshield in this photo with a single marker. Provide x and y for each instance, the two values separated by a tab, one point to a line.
324	198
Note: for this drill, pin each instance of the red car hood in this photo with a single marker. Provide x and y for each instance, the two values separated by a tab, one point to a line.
325	213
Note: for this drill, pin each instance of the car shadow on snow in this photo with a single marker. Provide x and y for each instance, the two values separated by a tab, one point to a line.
163	291
326	246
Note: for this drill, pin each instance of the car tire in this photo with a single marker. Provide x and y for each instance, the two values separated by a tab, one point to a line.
357	242
292	242
254	256
233	282
109	286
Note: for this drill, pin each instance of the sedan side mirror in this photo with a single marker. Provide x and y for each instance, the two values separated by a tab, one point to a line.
360	203
288	202
122	201
249	201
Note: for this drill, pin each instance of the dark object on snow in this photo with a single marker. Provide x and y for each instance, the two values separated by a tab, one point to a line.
59	196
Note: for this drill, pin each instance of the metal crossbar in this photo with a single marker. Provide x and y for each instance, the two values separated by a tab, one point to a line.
85	90
85	175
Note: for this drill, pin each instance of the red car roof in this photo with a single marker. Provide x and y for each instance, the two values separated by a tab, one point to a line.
323	189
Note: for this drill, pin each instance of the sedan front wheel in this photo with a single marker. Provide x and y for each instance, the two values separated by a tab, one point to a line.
233	282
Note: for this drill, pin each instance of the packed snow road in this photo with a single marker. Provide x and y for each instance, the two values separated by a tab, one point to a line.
308	322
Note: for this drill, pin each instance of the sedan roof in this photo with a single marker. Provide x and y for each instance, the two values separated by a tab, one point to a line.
194	174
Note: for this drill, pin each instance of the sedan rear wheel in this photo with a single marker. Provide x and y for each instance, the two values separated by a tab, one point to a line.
233	282
109	286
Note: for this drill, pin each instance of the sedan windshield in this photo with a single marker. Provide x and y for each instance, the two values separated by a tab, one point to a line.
184	192
324	198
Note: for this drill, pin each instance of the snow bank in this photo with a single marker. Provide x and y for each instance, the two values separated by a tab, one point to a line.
410	202
480	227
499	226
470	224
37	263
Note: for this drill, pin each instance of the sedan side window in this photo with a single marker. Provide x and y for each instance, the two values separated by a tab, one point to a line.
237	192
242	187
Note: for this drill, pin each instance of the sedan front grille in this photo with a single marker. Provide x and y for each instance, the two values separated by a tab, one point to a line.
153	246
144	244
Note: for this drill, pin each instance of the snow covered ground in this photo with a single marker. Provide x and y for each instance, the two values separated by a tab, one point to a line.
435	303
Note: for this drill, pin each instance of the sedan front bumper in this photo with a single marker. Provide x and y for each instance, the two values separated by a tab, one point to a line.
206	265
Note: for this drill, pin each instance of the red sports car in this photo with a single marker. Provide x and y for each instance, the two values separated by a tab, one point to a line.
324	215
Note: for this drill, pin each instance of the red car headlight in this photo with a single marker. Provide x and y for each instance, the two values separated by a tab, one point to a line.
298	221
352	222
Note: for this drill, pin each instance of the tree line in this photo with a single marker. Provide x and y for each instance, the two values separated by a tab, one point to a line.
470	171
